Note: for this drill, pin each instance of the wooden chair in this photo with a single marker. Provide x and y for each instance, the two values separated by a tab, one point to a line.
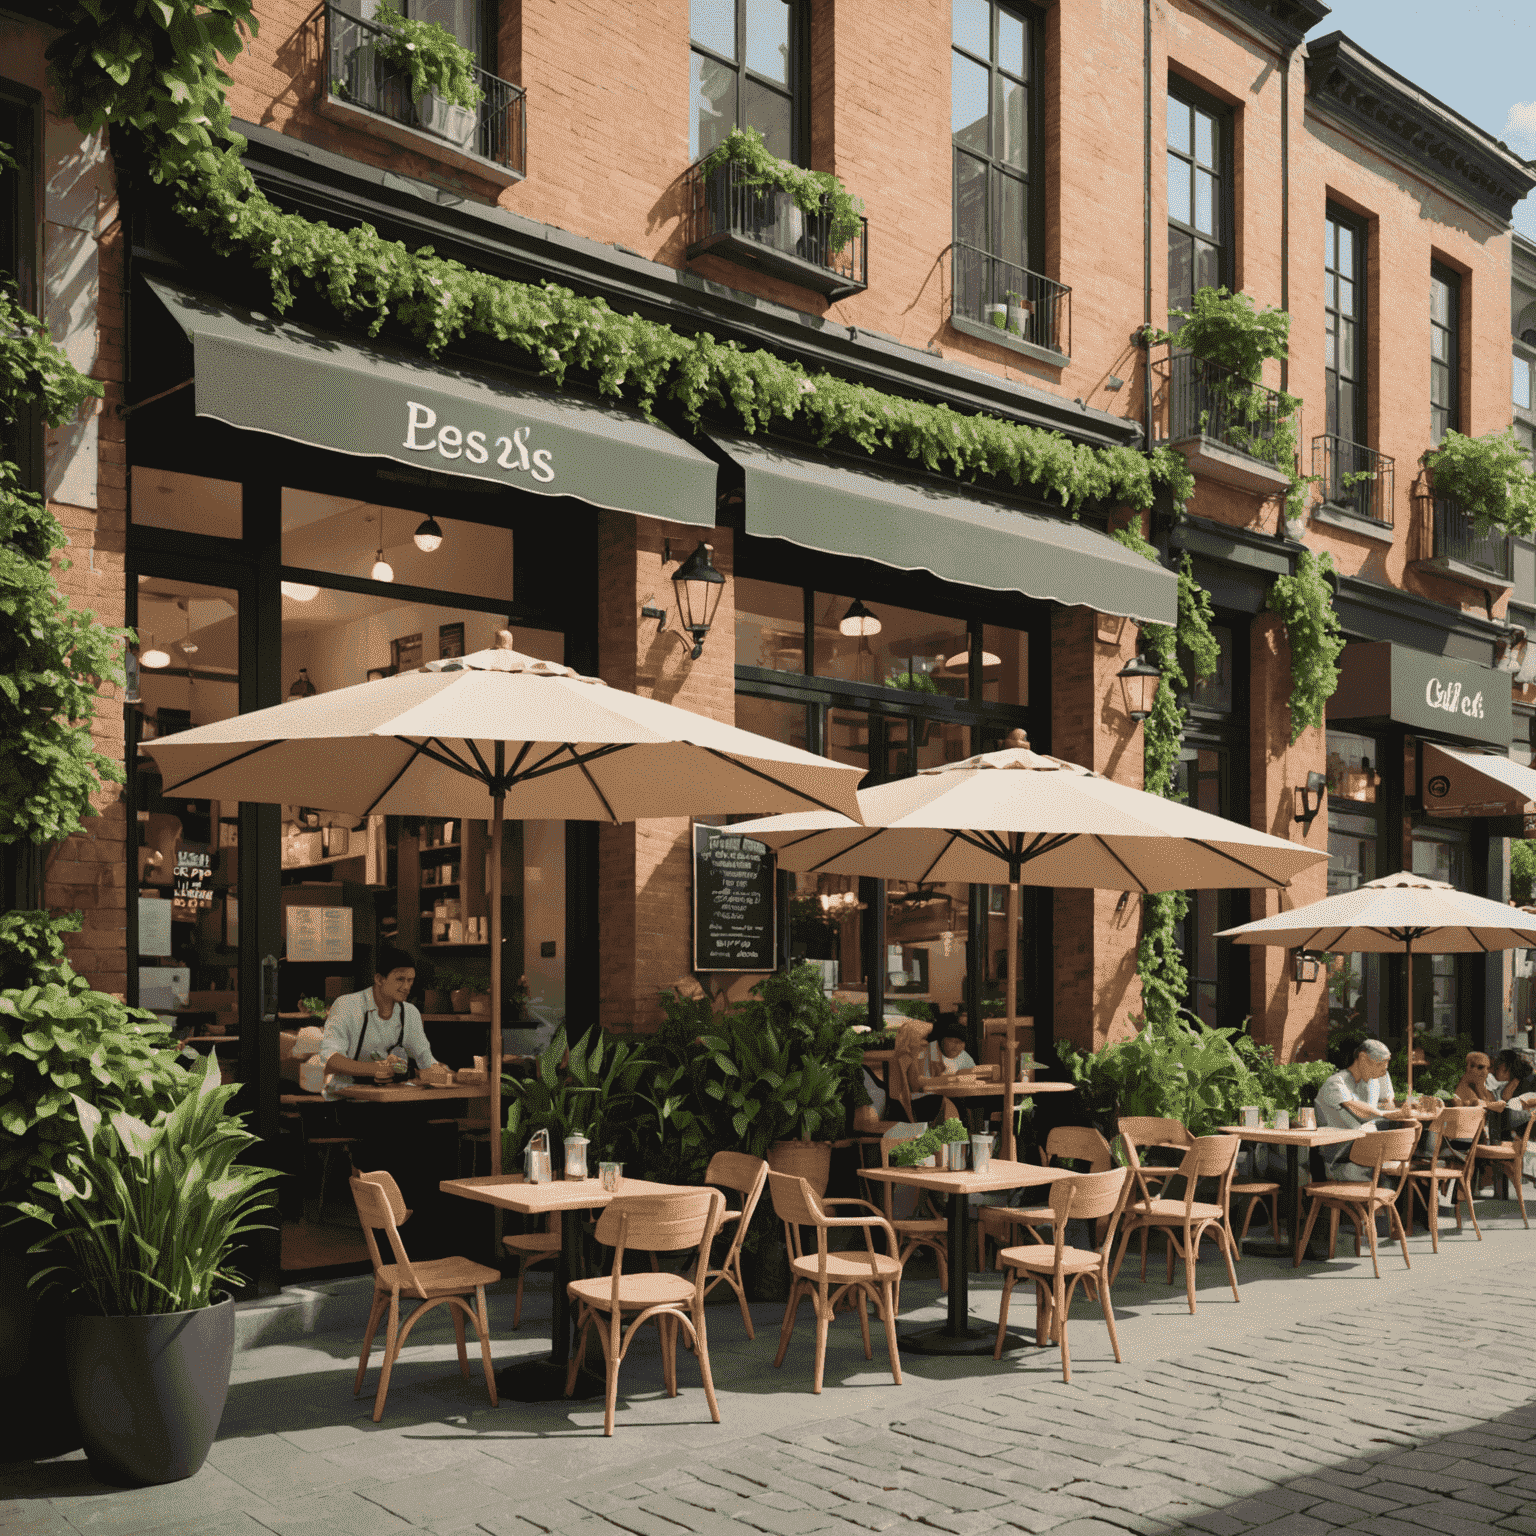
1424	1177
1137	1134
1256	1192
1092	1197
1209	1157
1358	1200
532	1249
748	1177
1507	1158
919	1230
433	1282
828	1277
1066	1143
651	1224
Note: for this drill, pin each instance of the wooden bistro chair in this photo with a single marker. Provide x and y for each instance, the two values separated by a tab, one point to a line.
1056	1268
746	1176
650	1224
1066	1143
1508	1159
433	1282
1447	1164
828	1277
923	1229
1361	1201
532	1249
1188	1221
1137	1134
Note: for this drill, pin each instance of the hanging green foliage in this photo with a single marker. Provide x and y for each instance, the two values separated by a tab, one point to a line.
1305	602
813	192
437	62
1490	476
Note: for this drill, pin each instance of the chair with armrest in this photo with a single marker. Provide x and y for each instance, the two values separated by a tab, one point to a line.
1066	1143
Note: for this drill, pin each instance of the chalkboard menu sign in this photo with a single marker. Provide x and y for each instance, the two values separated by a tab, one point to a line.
735	910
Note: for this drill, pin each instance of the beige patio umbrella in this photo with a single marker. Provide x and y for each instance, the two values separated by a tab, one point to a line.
1020	817
1395	913
497	730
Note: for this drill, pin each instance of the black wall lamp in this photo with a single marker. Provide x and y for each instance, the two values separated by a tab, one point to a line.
698	587
1311	795
1308	966
1138	685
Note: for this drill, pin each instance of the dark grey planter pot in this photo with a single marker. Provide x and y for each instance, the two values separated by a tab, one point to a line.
149	1391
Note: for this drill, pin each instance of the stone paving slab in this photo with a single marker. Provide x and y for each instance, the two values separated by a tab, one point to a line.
1324	1401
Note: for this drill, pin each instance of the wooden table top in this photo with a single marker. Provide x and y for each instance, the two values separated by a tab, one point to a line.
1323	1136
960	1086
409	1093
513	1193
1000	1175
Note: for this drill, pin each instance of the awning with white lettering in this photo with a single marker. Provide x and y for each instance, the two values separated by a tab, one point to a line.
1456	783
264	374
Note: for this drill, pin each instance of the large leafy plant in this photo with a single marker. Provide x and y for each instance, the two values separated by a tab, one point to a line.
435	59
1490	476
812	191
144	1214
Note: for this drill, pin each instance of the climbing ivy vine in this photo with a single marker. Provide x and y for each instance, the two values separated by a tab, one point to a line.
1305	602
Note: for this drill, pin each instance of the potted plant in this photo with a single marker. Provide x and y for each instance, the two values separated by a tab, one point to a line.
143	1217
1020	311
441	69
453	984
923	1151
995	314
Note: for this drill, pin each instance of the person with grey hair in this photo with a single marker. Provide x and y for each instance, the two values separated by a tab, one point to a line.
1355	1098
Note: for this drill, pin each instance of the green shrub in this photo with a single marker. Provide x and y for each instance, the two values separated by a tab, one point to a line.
1522	870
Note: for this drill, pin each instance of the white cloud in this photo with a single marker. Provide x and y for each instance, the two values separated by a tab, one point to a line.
1520	128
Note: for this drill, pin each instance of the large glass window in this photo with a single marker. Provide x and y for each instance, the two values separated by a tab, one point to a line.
992	82
1442	853
891	647
1199	194
162	498
1344	309
1444	353
743	73
770	625
1354	980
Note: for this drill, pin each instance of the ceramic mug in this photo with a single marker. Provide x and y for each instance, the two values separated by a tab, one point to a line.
1307	1118
1251	1117
1282	1119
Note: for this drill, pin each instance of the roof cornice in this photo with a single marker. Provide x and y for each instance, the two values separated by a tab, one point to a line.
1286	22
1414	128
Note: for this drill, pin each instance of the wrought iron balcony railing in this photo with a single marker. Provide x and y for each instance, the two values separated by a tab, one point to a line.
1011	298
762	228
1203	399
1355	479
1447	531
359	74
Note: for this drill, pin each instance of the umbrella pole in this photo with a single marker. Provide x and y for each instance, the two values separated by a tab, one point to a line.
1010	1062
498	811
1408	963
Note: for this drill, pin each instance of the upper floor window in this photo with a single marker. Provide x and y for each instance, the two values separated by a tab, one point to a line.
743	73
473	22
1199	194
1444	353
1344	306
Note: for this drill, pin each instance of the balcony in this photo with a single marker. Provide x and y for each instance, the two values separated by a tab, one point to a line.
762	228
369	92
1224	426
1011	306
1358	484
1448	543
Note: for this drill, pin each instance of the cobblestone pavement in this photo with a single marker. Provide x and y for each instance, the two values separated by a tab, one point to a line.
1325	1400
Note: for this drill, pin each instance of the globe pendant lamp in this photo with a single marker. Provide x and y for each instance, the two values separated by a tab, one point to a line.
698	587
154	658
382	569
429	536
858	621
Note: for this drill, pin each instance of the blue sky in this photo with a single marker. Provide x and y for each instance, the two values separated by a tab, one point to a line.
1478	57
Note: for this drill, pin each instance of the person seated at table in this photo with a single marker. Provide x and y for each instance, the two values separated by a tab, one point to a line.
952	1051
1472	1088
1516	1081
1355	1098
912	1066
363	1029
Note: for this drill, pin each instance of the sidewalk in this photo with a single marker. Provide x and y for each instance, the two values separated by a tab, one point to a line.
1326	1399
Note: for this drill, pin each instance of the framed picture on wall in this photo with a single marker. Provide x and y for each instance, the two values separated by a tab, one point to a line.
450	640
405	653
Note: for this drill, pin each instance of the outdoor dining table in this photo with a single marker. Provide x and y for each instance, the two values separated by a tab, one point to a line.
409	1093
1293	1141
962	1085
542	1381
957	1335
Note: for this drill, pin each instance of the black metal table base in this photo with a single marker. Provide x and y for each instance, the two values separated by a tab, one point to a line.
975	1340
542	1380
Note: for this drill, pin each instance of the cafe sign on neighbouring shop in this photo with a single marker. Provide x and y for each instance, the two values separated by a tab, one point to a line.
1457	783
1380	681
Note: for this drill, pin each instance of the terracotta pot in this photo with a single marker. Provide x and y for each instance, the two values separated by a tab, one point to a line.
808	1160
480	1005
459	997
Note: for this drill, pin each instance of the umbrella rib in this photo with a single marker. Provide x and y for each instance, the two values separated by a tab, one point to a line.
203	773
985	842
939	855
417	750
444	756
545	767
474	750
844	852
768	778
587	774
1046	842
1135	879
1253	869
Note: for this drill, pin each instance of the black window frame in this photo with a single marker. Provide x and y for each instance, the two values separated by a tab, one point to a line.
1191	96
1439	273
21	129
799	76
1335	219
1033	175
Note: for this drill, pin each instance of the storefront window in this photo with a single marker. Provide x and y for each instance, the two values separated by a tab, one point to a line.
351	538
1004	665
777	719
1441	853
921	653
925	927
770	625
161	498
1213	693
1352	767
1354	980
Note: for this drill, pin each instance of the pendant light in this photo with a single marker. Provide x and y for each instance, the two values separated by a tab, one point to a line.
299	591
382	569
154	658
859	621
187	645
429	536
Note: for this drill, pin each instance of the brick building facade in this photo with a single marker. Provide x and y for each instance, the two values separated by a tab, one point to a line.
1120	133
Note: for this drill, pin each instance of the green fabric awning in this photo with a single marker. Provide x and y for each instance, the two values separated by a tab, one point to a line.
914	526
264	374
